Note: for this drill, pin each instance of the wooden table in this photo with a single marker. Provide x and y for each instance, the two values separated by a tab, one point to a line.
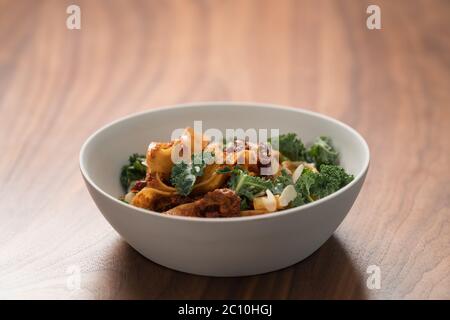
57	86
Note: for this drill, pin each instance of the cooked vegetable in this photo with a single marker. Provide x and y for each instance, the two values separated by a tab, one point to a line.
199	162
303	186
313	186
225	169
245	205
291	147
247	186
184	175
323	152
207	187
331	178
135	170
298	201
182	178
281	182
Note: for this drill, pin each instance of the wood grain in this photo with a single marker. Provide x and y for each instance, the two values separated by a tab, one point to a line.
57	86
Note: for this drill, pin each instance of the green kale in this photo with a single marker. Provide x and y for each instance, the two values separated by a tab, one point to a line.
298	201
304	185
199	162
281	182
323	152
245	204
184	175
247	186
316	185
182	178
224	170
135	170
330	179
291	147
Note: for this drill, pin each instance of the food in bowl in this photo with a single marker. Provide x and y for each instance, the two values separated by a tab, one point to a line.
235	246
231	178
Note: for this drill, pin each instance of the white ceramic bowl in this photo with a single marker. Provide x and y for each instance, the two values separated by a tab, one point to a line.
225	246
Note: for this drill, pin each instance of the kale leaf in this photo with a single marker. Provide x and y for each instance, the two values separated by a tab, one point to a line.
184	175
315	185
247	186
323	152
244	204
182	178
199	162
291	147
330	179
281	182
135	170
298	201
224	170
304	185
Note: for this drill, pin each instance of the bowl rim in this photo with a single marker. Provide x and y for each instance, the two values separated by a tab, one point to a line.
270	215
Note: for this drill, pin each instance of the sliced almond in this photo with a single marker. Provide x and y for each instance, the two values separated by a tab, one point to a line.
287	195
297	173
268	203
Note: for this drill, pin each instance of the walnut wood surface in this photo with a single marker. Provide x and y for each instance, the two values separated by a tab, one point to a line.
57	86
